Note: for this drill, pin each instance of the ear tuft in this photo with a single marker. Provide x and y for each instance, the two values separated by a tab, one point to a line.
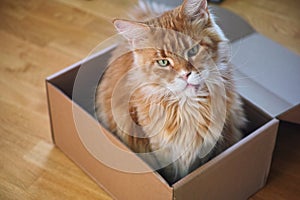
130	30
195	8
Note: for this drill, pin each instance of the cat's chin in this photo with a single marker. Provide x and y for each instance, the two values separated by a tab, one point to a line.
186	90
191	90
192	86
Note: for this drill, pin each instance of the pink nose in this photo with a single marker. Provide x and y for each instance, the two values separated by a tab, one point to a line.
186	76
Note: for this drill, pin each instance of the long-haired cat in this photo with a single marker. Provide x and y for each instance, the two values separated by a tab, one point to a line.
169	88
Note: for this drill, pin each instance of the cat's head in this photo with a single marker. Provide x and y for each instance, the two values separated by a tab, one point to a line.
181	50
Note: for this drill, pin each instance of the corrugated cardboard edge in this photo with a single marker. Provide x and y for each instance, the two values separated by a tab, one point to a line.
184	188
49	111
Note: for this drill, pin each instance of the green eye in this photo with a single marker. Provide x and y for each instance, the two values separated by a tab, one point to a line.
193	51
163	62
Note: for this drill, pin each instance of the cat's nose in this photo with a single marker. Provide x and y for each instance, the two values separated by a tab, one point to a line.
186	75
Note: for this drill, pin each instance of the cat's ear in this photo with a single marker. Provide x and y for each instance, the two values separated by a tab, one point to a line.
195	9
131	30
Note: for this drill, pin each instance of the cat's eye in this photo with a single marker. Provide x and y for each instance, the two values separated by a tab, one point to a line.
193	51
163	62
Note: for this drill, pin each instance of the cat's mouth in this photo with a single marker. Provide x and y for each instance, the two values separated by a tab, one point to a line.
186	88
194	87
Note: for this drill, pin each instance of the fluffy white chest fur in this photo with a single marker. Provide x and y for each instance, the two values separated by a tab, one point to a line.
185	142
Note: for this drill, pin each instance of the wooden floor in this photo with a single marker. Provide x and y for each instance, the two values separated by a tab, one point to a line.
40	37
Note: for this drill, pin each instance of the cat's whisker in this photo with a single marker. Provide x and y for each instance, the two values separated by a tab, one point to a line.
245	77
213	82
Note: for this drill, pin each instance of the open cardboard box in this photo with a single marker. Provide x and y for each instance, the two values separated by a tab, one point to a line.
236	173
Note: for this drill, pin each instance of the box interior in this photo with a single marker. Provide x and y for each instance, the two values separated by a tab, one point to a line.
82	79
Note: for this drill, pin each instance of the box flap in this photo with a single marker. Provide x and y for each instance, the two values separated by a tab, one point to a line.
267	74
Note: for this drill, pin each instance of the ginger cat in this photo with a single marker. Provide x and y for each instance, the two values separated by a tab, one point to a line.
169	88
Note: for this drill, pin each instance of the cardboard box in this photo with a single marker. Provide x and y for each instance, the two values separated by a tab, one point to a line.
236	173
